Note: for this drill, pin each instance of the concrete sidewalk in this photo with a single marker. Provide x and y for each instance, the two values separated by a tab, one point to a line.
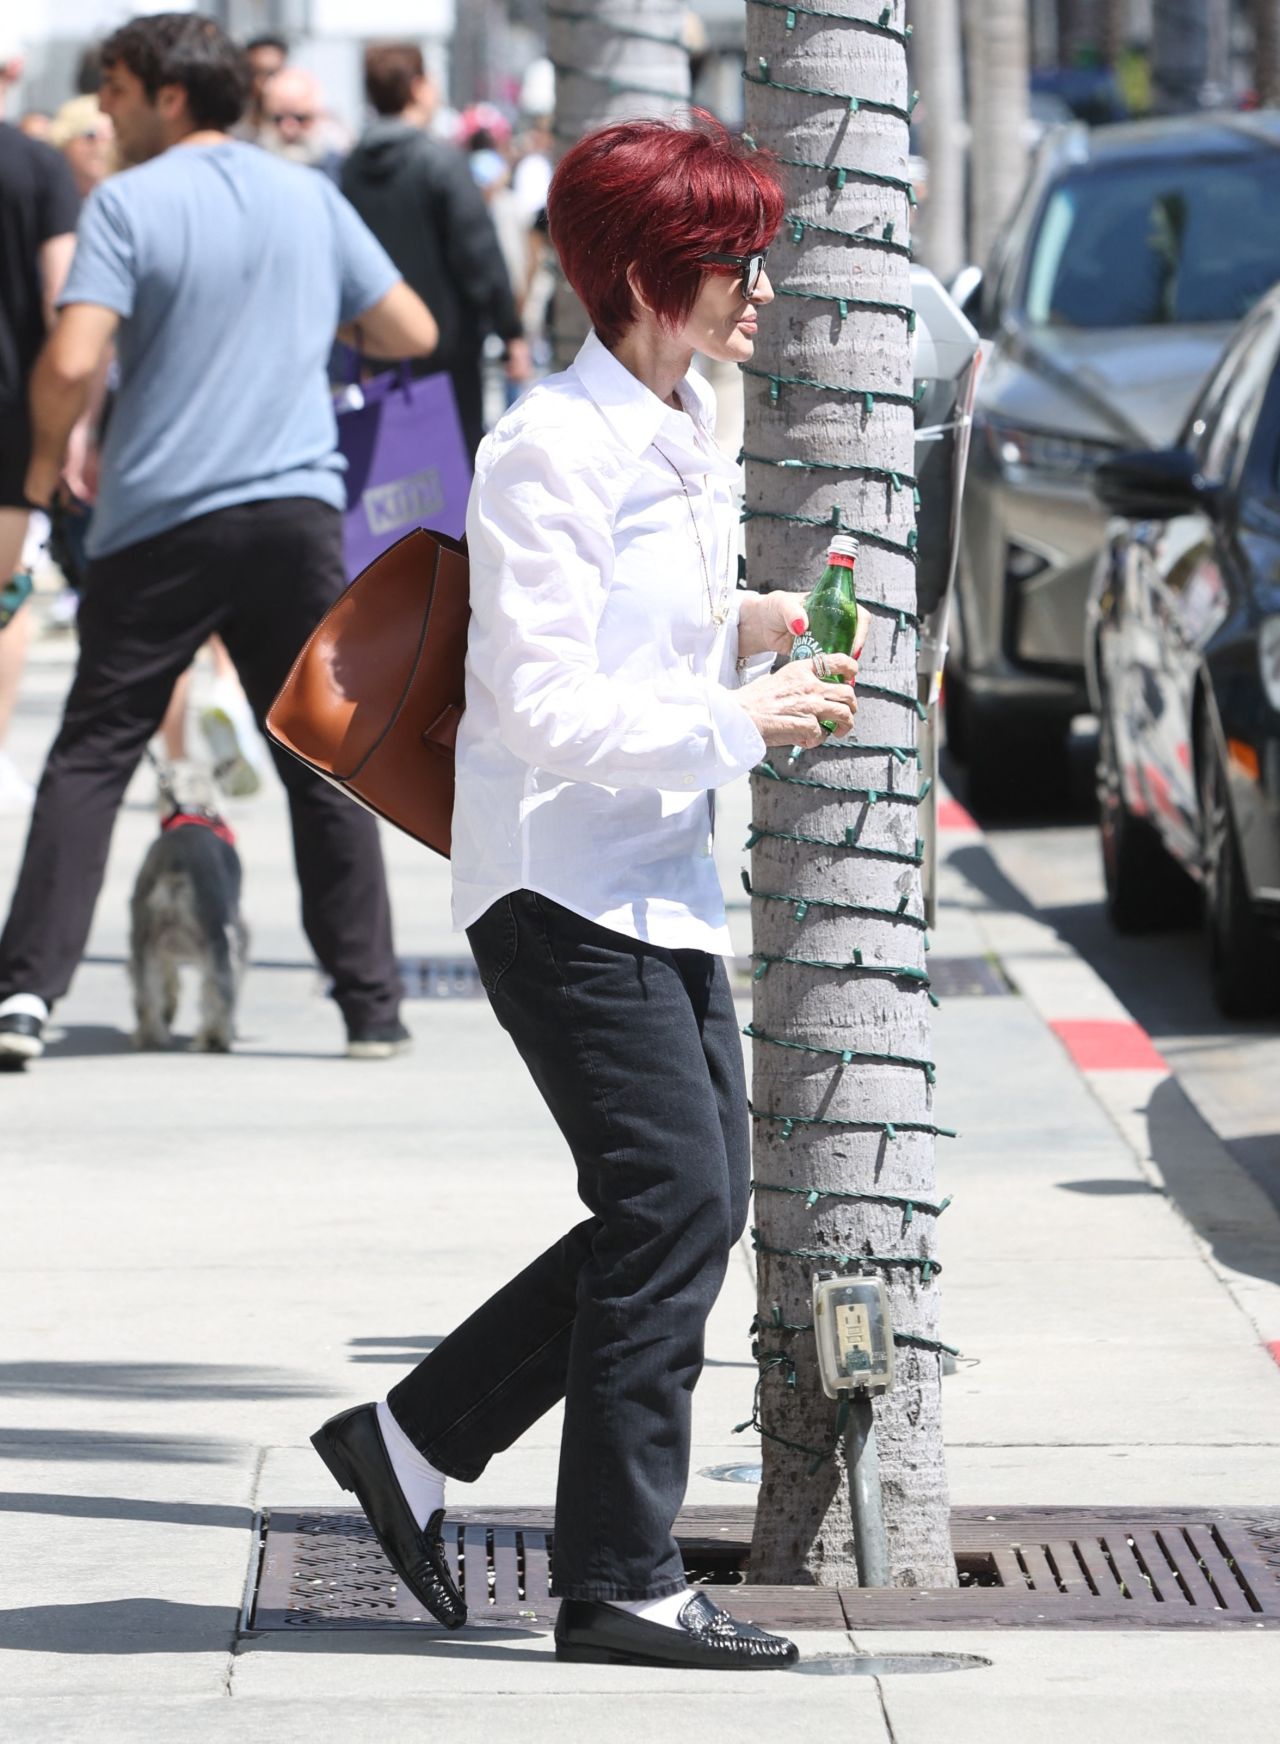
203	1256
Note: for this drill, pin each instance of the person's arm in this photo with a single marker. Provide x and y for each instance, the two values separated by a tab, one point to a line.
62	384
540	535
54	262
397	325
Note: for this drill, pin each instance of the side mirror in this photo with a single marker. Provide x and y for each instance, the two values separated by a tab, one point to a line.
966	291
1154	484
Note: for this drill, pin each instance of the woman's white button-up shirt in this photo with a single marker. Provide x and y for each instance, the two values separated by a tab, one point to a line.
600	710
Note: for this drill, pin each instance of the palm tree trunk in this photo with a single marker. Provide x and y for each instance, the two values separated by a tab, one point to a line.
1179	55
996	33
838	930
1266	50
939	63
614	61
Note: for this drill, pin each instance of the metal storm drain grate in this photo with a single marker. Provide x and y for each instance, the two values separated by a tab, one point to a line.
440	978
968	978
1108	1568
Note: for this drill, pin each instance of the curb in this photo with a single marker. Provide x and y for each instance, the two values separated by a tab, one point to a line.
1233	1223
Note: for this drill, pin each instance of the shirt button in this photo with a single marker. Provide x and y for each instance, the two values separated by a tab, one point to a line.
687	779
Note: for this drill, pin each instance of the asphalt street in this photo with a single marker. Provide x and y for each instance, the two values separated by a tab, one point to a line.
1230	1070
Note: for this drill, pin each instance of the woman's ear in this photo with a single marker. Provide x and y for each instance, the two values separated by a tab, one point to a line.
633	282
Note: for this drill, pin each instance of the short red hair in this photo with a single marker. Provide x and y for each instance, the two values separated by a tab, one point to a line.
656	196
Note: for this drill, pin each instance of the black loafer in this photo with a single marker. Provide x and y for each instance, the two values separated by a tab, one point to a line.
352	1447
705	1637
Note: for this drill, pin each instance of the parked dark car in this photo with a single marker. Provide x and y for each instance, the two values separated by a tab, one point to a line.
1132	255
1183	647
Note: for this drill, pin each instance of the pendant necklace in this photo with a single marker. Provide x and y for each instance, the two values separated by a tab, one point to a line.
718	607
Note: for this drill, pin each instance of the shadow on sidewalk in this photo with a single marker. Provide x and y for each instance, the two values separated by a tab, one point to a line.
95	1380
103	1444
1178	1136
126	1508
136	1626
119	1626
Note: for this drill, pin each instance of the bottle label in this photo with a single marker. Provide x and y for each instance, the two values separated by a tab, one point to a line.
805	647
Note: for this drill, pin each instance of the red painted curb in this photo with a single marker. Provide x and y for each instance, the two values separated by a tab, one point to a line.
953	816
1108	1045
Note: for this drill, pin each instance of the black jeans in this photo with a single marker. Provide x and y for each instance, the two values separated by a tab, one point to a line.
261	575
636	1052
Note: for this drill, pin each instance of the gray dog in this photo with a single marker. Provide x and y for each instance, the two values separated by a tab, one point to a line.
186	909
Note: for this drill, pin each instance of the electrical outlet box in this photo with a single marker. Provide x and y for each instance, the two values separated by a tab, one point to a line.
854	1334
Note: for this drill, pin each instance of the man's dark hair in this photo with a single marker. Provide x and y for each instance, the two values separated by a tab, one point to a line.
267	40
179	48
390	69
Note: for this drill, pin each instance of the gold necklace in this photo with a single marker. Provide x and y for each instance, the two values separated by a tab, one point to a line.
719	608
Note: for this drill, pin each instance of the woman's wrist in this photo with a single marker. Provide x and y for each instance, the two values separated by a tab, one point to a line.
751	627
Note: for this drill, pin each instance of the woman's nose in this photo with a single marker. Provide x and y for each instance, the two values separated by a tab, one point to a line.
763	292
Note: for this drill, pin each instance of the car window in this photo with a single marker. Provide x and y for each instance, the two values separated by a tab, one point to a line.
1144	244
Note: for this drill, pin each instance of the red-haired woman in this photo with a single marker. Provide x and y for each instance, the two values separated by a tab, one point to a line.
615	678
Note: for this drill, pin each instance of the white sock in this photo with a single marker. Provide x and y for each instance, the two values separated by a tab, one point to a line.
421	1484
665	1610
24	1005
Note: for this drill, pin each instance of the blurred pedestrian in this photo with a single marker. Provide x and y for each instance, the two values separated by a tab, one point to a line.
296	124
535	152
86	138
35	123
38	207
266	54
419	198
221	273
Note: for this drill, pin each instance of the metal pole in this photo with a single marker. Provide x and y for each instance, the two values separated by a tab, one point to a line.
864	1494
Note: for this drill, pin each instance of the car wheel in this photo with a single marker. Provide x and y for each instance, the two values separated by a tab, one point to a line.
1147	891
1244	959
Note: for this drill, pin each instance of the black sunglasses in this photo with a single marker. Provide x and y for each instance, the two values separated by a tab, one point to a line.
750	267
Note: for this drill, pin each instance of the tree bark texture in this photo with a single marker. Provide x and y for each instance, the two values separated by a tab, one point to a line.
999	113
1266	50
1179	55
840	450
615	60
1077	29
940	69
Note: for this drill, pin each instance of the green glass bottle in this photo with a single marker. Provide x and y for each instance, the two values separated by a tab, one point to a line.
832	608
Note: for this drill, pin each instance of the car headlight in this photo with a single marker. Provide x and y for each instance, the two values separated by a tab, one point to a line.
1269	659
1017	450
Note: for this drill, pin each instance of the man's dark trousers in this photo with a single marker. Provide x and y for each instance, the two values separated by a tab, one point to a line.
260	575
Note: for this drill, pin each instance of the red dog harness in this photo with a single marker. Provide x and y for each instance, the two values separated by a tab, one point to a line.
220	828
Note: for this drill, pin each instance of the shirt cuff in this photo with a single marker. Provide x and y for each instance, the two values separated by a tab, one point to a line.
738	740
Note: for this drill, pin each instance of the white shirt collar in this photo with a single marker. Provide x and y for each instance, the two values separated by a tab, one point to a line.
634	412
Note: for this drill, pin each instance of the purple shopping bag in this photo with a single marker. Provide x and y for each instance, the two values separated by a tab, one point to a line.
407	463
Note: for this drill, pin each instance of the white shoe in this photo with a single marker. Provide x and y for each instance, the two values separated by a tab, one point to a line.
232	770
16	793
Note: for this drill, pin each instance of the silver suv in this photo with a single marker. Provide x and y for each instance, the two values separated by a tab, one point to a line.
1132	254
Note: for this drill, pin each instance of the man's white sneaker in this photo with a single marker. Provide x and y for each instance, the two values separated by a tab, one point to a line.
22	1021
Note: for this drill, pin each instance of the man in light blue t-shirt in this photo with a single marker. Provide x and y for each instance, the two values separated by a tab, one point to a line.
220	274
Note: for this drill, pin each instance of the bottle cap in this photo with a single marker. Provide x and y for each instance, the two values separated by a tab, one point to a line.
842	545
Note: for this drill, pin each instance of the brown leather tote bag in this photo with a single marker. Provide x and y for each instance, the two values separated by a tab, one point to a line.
374	699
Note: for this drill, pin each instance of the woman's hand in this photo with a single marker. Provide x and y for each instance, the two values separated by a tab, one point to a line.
797	707
768	623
